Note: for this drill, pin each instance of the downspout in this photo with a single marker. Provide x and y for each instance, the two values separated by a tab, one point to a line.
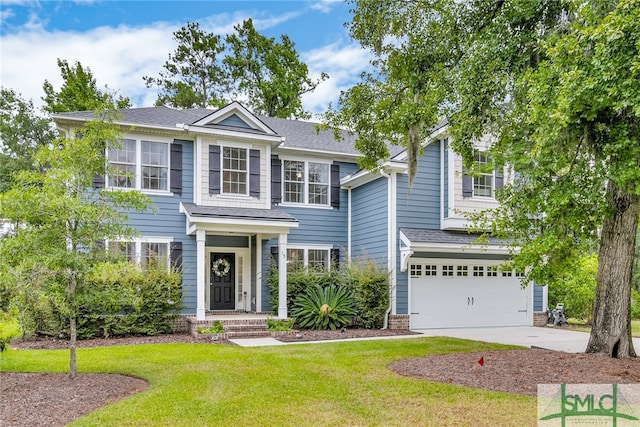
385	322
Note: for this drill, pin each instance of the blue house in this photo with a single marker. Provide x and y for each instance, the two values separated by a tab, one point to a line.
233	192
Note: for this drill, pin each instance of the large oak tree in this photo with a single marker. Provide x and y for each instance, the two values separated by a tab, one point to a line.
557	84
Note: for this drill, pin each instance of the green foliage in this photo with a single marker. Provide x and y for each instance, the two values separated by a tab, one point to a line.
369	284
193	76
324	308
216	328
280	325
9	328
22	131
126	300
63	219
576	289
298	280
268	74
635	304
79	91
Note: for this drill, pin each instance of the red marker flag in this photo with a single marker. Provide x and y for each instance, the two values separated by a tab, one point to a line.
481	361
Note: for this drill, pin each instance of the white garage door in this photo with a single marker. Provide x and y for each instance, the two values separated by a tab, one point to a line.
455	293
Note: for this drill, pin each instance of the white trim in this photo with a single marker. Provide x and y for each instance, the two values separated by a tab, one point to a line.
246	274
282	276
258	262
392	241
442	178
201	265
233	144
268	178
306	182
197	171
349	225
238	109
335	155
238	146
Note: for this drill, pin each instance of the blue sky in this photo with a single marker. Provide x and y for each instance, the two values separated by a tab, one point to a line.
122	41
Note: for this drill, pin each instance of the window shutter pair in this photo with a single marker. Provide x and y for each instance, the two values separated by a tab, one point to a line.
467	182
215	172
276	182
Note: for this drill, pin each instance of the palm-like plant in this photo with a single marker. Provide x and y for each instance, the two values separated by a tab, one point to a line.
324	308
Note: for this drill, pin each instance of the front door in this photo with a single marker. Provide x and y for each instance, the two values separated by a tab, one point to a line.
222	282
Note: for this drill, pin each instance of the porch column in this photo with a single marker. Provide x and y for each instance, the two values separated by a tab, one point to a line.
201	264
282	276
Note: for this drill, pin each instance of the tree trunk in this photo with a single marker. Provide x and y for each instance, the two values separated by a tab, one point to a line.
72	347
611	330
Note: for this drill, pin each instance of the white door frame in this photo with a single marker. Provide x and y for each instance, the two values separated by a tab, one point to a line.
242	293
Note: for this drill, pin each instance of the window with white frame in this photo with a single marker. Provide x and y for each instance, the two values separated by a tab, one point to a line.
306	182
312	258
139	164
478	271
145	253
483	182
462	271
492	271
234	170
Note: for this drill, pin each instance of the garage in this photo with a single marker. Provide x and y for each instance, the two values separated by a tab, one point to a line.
455	293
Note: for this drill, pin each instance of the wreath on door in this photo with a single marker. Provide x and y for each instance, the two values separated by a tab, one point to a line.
221	267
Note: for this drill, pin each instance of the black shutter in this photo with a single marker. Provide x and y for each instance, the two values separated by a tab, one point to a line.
98	181
499	178
254	173
335	259
176	168
175	249
467	184
275	255
335	185
214	169
276	180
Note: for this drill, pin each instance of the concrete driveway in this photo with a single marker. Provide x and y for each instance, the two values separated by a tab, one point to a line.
559	339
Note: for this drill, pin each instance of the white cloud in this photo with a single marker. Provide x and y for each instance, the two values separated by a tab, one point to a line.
343	62
325	6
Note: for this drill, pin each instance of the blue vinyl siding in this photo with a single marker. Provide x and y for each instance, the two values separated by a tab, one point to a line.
369	219
164	219
317	226
537	298
417	207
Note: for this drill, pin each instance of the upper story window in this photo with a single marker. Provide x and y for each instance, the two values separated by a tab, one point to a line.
483	183
306	182
139	164
234	170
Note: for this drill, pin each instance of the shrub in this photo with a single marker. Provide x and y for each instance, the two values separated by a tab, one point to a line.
9	328
280	325
125	300
324	308
369	284
299	279
216	328
635	304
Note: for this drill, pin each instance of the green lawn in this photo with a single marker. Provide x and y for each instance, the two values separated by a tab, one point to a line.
580	326
333	384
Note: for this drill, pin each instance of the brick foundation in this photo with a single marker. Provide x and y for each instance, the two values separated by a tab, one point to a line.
399	321
540	319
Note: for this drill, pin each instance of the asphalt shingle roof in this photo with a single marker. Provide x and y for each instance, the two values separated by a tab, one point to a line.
423	235
273	214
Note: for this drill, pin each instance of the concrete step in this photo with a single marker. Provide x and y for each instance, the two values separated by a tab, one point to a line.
245	327
247	334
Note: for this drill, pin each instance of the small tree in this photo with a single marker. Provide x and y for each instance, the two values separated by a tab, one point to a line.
60	219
